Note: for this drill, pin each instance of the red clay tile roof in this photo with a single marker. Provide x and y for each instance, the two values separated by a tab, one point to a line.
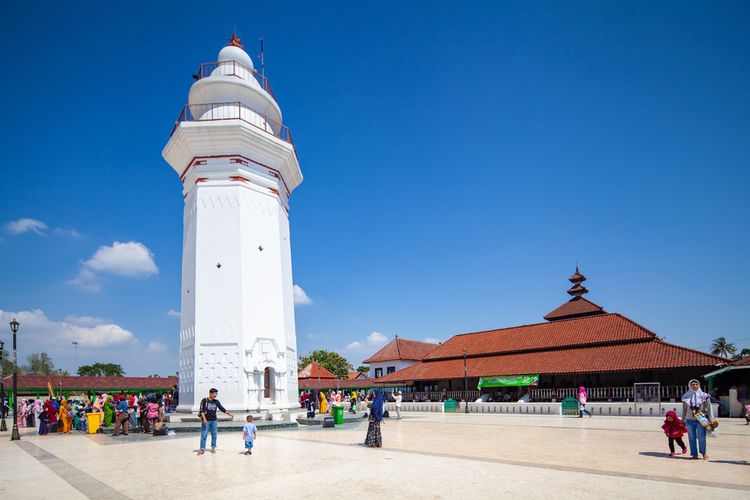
402	349
314	370
742	362
92	383
601	329
575	307
353	375
358	383
642	355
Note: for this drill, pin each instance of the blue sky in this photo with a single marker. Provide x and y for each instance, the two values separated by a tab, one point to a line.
459	159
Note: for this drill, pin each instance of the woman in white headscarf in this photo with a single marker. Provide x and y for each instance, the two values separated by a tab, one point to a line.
38	409
693	401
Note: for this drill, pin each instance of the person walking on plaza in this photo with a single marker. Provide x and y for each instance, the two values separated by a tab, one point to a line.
583	396
373	438
207	413
249	431
697	404
674	428
398	397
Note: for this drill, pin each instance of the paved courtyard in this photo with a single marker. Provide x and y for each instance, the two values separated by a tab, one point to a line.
424	456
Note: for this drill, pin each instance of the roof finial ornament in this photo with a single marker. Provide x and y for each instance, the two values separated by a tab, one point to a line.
577	289
235	41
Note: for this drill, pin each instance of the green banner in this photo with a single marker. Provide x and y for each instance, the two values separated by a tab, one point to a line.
508	381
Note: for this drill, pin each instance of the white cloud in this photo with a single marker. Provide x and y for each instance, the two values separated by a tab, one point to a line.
73	233
132	259
84	320
25	225
174	314
37	329
124	259
156	347
430	340
355	346
300	297
86	280
377	338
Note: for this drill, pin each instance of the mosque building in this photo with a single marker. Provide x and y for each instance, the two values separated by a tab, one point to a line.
579	344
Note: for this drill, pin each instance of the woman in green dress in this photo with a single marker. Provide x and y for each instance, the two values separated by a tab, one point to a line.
109	412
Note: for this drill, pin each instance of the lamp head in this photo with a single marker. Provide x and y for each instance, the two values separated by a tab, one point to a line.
14	325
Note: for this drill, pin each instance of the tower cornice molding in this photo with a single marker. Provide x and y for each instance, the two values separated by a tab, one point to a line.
193	140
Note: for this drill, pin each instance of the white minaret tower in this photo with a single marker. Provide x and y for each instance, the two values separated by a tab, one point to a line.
238	167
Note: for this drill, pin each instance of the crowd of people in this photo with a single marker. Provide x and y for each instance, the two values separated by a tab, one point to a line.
323	401
125	412
373	405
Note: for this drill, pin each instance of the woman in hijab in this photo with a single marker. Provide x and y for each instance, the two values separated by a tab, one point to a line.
38	410
374	439
42	419
109	412
21	417
583	396
323	403
65	418
49	407
30	414
695	401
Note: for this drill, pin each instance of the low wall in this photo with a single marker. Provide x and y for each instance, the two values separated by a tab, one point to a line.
422	407
608	409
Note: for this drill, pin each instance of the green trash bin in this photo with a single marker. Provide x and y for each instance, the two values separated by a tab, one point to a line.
338	414
450	406
569	406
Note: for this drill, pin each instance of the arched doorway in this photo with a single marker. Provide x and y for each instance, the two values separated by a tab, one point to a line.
268	383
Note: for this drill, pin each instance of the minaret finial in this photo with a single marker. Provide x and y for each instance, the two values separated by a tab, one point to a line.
235	41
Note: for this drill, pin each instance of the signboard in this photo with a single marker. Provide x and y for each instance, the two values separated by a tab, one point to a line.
508	381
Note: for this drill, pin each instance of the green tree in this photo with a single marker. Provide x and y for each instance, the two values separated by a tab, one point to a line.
40	364
722	347
363	369
8	367
331	361
101	370
742	354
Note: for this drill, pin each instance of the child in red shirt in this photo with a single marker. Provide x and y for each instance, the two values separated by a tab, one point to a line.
674	428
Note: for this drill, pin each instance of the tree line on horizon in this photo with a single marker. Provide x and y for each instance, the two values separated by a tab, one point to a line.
331	361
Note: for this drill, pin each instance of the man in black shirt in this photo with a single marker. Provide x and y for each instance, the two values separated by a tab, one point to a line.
207	413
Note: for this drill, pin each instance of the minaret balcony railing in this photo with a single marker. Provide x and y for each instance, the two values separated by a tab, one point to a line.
232	111
233	68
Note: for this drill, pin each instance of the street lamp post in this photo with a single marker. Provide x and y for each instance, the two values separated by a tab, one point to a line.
466	385
15	435
3	427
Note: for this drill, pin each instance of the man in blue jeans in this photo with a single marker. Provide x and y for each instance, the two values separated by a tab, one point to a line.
207	413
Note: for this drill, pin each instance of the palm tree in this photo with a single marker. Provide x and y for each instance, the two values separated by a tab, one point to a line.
721	347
